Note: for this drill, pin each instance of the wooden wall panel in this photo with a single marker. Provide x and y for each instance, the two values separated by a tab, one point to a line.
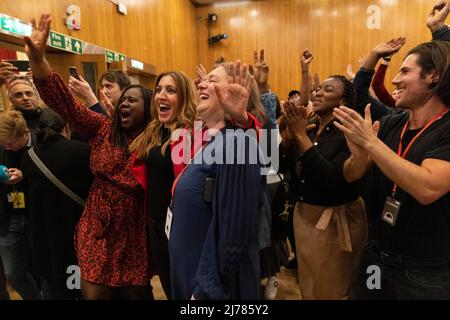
335	31
172	34
159	32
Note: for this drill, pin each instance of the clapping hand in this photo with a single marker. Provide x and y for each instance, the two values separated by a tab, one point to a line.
296	119
356	129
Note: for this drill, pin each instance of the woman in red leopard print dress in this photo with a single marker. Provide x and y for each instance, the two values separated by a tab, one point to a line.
111	235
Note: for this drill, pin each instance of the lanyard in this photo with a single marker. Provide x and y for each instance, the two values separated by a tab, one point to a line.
400	147
184	169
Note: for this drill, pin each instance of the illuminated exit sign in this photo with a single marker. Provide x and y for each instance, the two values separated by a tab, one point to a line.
15	26
137	64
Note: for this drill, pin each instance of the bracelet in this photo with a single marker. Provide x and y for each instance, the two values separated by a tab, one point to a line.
386	59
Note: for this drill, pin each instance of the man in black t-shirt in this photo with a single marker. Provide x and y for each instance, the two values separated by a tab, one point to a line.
409	206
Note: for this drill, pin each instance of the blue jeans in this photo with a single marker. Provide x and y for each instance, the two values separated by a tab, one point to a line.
15	254
403	278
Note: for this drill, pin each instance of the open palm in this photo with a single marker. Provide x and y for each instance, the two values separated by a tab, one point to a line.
234	95
388	48
233	98
36	43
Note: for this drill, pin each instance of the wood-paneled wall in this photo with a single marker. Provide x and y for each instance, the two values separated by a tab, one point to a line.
159	32
172	34
335	31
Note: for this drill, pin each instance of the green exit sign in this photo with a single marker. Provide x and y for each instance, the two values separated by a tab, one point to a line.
57	40
15	26
109	56
61	41
112	56
77	46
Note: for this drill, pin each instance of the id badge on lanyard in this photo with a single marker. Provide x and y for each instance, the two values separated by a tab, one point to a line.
17	199
390	211
168	225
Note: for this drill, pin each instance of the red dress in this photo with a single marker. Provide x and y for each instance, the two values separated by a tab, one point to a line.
110	239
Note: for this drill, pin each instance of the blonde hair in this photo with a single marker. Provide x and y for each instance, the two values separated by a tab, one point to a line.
12	125
254	105
184	118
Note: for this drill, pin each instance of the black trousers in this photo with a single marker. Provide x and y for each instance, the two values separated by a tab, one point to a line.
159	253
401	278
3	292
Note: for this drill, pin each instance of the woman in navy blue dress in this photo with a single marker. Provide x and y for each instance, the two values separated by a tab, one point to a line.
213	243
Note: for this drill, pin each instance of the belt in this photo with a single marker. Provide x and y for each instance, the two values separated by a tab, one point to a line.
343	230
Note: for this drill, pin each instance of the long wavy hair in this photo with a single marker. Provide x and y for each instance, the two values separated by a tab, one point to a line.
184	118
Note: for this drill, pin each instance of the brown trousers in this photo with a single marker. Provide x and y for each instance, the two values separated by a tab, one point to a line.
328	244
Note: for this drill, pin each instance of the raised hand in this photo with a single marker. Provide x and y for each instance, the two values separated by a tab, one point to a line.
316	82
234	95
362	59
438	14
201	74
306	59
82	90
29	74
388	48
107	104
36	43
350	73
219	60
261	71
7	71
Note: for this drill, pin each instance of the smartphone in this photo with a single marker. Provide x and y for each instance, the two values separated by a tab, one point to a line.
21	65
73	72
208	189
